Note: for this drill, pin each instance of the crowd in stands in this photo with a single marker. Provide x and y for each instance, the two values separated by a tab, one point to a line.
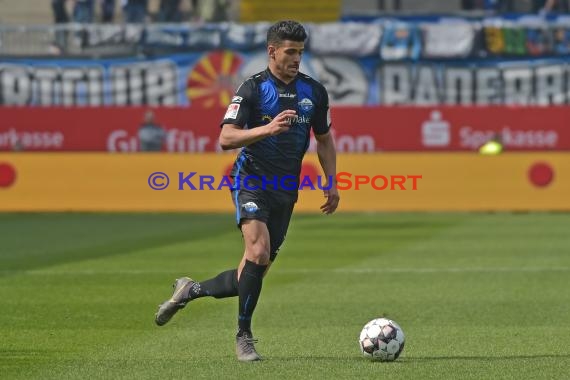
504	6
169	11
541	7
137	11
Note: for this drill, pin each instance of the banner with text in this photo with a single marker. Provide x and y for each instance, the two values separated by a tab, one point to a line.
380	182
356	129
209	80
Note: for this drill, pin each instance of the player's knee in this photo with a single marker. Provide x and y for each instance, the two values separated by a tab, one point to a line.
258	253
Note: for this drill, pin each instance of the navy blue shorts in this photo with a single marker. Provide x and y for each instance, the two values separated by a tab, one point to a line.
268	208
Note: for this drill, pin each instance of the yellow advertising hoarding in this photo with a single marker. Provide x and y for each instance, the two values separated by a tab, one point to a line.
299	10
368	182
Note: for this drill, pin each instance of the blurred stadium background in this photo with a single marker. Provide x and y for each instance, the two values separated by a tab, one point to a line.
97	95
403	76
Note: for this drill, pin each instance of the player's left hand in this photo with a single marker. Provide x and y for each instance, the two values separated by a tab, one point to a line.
332	200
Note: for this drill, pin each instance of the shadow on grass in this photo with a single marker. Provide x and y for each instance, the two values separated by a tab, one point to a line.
487	358
32	241
404	360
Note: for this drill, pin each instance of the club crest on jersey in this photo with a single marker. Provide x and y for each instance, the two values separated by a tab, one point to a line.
250	207
306	104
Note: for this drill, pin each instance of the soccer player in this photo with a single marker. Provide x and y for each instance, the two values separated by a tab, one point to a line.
270	118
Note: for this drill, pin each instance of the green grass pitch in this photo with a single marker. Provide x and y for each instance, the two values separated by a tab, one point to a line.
479	296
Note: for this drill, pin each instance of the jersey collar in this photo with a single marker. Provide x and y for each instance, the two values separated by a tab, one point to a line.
278	81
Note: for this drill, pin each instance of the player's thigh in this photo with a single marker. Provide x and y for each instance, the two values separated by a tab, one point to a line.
256	238
252	214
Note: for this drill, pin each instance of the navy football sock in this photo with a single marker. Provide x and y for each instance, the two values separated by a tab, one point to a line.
249	288
222	286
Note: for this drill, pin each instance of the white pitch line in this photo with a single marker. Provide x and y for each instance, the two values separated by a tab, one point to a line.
427	270
461	270
277	271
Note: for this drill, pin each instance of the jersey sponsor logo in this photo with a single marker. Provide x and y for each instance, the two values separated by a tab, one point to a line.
237	99
306	104
301	119
232	111
287	95
297	119
250	207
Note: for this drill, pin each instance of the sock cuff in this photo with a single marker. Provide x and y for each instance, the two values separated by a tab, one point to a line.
254	269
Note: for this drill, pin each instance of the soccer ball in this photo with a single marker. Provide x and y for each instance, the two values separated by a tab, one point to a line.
382	339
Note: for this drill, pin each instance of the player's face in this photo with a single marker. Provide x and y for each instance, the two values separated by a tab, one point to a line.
286	58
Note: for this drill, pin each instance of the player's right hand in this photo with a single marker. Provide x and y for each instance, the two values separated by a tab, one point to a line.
281	123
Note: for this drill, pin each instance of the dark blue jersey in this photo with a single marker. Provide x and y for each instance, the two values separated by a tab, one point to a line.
261	98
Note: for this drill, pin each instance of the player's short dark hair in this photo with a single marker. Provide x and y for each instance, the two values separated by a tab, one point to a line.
286	31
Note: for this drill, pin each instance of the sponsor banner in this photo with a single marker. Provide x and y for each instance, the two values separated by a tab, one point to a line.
452	128
106	129
381	182
356	129
210	79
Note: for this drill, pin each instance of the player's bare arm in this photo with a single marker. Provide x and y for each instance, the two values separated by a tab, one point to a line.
327	157
233	136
